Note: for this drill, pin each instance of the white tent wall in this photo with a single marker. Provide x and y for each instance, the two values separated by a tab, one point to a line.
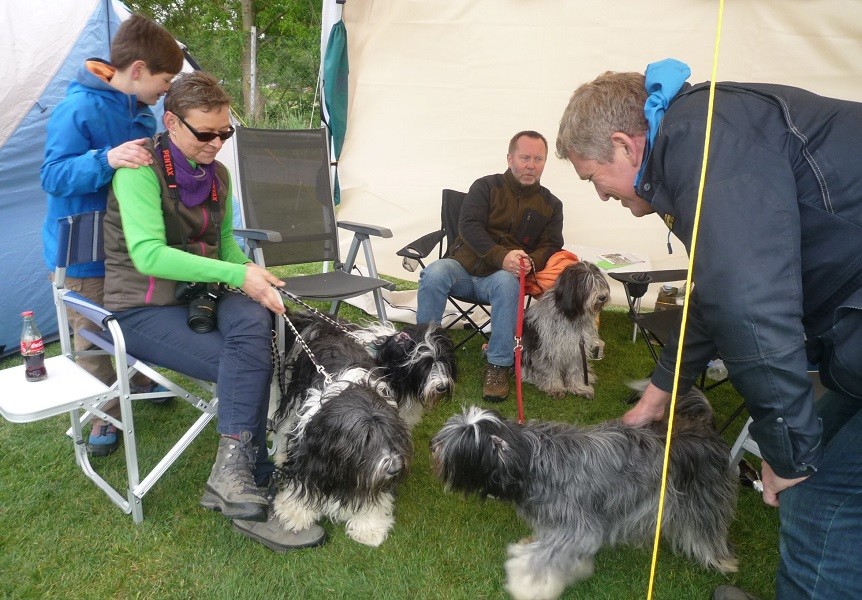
438	88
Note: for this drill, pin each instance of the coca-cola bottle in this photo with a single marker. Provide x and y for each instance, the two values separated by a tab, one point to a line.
32	349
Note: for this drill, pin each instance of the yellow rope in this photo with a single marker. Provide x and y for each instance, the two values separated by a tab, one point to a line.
686	304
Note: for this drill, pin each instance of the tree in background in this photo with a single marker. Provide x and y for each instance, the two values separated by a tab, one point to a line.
218	35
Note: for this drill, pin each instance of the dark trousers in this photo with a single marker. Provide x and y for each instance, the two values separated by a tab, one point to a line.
236	355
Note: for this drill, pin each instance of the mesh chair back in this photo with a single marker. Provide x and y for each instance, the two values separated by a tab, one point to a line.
284	177
450	211
80	239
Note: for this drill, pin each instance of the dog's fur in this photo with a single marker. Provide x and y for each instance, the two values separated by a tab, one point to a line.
581	488
347	450
342	447
560	327
418	362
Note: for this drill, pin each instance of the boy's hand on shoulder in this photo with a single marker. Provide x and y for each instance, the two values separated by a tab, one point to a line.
130	154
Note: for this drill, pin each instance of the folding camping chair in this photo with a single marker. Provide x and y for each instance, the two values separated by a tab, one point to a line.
70	389
657	326
289	216
420	249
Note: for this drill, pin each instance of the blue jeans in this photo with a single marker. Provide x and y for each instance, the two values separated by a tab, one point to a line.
501	290
821	518
236	355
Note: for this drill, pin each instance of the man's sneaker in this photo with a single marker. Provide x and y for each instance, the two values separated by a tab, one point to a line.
728	592
495	383
104	440
230	488
275	536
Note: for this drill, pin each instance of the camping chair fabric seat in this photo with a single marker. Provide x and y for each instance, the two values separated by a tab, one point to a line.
72	390
289	216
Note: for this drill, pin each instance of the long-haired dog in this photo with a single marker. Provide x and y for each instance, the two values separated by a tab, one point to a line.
342	446
418	362
560	330
581	488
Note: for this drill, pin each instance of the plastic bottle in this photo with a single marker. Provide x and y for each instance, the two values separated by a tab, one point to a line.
716	370
32	349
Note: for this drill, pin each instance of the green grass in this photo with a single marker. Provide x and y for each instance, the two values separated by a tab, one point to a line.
60	537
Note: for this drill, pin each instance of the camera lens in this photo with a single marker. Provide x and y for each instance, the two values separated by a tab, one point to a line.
202	314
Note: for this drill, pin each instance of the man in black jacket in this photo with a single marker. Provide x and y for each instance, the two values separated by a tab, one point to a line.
504	218
777	279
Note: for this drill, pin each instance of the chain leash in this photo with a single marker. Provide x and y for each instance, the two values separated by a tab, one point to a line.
280	368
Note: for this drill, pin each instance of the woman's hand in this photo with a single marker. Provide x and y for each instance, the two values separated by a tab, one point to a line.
649	408
258	285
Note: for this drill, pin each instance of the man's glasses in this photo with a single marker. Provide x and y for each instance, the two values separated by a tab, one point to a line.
208	136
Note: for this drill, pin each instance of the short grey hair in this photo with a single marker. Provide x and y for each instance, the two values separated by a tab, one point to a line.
610	103
195	89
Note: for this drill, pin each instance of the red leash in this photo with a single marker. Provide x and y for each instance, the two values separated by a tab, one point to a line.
519	330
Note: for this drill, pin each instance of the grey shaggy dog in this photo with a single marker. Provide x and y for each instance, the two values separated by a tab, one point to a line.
581	488
560	330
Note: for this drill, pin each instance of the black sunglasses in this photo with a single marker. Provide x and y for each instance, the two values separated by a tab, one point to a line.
209	135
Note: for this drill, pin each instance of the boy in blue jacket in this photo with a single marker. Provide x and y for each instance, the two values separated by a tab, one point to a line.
100	126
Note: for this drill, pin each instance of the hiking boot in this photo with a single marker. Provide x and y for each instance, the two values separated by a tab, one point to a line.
279	538
230	488
728	592
495	386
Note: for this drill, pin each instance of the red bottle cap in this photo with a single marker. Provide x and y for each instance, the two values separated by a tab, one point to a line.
27	313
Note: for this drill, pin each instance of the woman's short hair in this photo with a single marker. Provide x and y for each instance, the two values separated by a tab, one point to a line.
610	103
197	89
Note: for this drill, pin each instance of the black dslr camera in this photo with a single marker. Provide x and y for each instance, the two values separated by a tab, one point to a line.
202	303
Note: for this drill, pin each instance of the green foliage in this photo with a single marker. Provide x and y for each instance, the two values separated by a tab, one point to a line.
62	538
288	51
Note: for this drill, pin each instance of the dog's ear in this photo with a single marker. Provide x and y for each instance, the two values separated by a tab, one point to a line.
500	445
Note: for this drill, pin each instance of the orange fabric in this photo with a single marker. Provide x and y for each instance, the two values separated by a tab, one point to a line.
538	283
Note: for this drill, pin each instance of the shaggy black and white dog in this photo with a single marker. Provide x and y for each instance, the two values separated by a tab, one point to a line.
341	446
581	488
560	330
347	451
418	363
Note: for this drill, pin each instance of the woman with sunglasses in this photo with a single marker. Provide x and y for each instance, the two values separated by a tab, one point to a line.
169	246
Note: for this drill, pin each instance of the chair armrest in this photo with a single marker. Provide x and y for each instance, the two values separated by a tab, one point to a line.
261	235
383	232
87	308
423	246
636	282
641	277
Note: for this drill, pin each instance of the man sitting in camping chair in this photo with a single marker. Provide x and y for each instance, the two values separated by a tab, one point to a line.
504	218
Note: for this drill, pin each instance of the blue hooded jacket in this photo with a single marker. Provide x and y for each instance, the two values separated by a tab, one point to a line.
93	118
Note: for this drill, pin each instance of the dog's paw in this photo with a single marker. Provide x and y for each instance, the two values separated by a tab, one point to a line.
525	583
368	532
292	514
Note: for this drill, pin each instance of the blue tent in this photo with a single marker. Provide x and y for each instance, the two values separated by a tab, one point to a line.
38	62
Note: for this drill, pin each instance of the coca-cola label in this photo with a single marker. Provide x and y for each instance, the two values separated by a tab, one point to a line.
32	347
